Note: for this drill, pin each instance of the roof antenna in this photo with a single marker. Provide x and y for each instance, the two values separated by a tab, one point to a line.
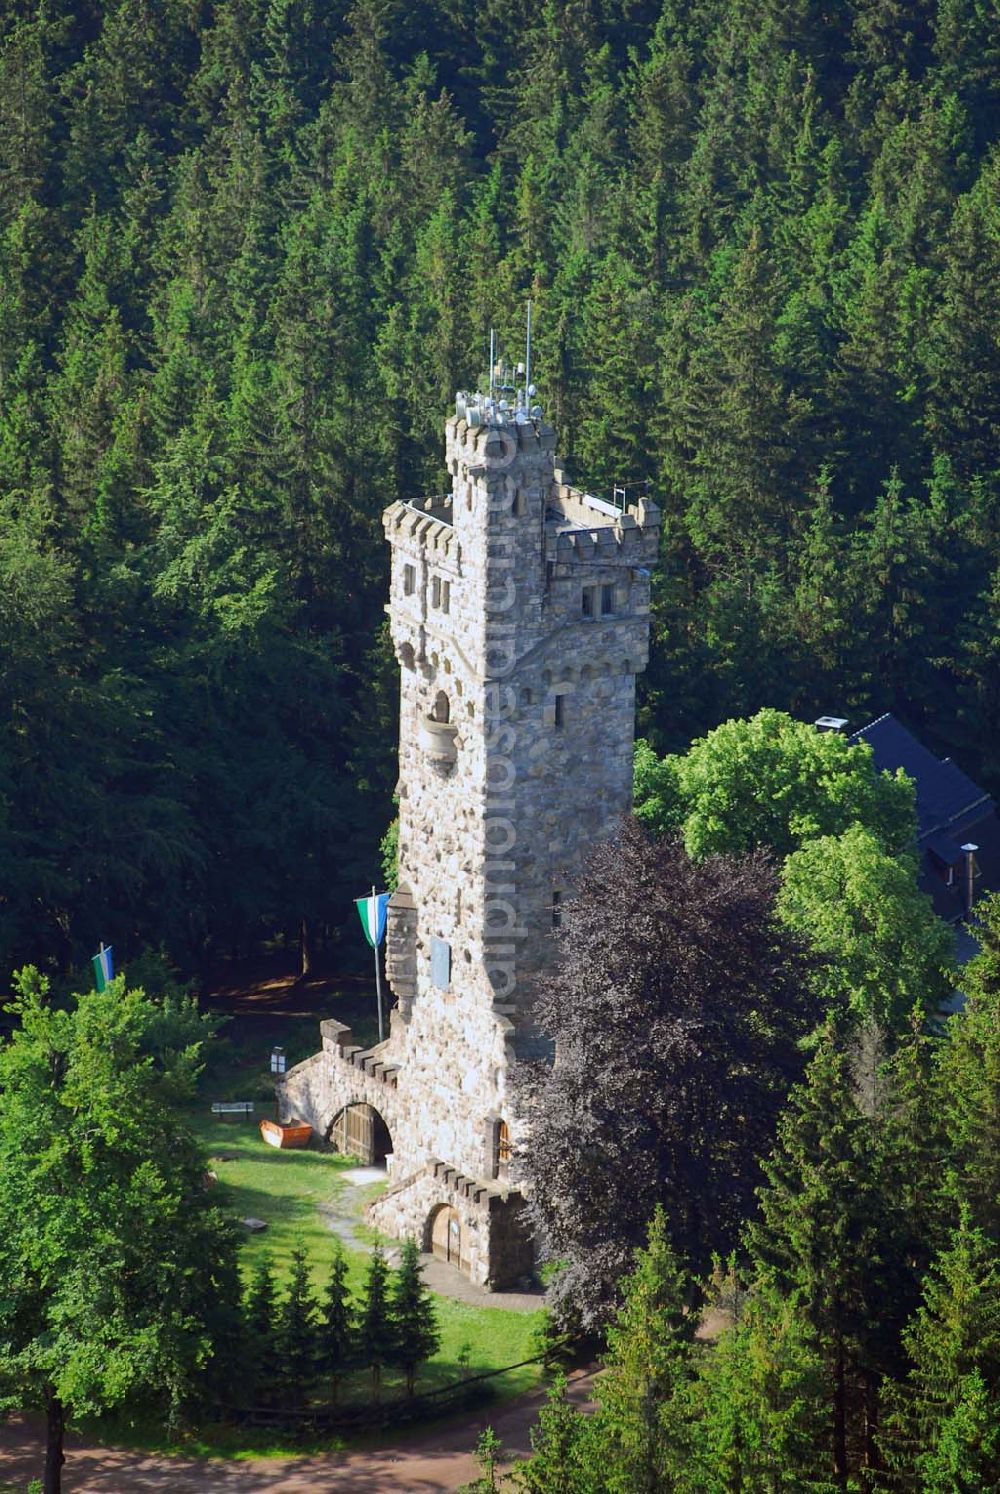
493	357
528	391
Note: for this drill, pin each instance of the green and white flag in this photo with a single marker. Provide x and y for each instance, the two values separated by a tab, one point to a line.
103	967
372	912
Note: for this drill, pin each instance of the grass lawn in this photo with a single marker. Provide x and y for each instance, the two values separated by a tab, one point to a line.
289	1191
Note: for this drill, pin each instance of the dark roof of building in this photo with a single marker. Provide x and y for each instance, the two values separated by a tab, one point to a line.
951	811
945	795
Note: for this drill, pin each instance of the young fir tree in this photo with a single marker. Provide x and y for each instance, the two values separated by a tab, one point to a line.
648	1365
943	1430
819	1233
414	1321
759	1406
376	1337
296	1331
489	1456
337	1332
969	1080
567	1451
260	1321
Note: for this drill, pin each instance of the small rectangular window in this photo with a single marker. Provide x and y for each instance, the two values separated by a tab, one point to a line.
559	713
607	600
445	596
588	601
435	591
557	910
409	580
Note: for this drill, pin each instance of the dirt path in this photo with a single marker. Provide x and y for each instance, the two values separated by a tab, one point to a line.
436	1461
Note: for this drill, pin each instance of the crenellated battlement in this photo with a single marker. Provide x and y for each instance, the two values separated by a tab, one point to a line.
425	529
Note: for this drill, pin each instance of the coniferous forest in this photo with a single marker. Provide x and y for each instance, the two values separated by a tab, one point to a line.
249	249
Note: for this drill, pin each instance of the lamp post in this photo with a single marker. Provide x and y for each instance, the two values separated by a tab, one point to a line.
970	849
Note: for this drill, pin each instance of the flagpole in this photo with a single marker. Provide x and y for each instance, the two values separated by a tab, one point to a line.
378	983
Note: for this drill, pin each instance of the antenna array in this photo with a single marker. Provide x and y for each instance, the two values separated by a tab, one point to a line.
508	398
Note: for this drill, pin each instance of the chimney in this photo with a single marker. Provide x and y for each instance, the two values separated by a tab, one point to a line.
970	850
830	723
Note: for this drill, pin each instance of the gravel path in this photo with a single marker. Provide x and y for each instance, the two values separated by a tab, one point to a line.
436	1461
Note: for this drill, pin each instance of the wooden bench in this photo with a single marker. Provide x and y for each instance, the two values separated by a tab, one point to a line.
233	1107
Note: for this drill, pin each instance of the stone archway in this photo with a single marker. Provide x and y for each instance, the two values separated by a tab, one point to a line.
361	1131
445	1231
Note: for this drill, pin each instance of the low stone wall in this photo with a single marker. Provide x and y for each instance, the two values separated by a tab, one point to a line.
495	1250
496	1253
341	1074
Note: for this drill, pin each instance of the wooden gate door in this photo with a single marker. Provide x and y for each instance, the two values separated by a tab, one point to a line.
360	1129
353	1132
446	1236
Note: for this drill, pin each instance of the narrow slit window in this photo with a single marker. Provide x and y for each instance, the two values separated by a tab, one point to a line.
588	601
435	591
503	1150
559	713
607	600
557	910
409	580
445	596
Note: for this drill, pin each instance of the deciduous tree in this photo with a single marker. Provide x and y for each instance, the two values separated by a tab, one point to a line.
676	1007
117	1272
773	782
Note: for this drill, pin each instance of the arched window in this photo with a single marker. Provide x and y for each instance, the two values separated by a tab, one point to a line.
442	708
502	1150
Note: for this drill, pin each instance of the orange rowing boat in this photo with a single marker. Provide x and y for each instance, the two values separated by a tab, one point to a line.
286	1133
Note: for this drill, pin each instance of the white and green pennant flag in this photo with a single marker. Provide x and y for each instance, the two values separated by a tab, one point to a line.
104	969
372	912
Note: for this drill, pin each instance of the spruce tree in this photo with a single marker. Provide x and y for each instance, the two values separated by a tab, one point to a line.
260	1325
296	1330
376	1337
969	1080
411	1308
943	1432
759	1405
648	1364
568	1451
338	1329
819	1234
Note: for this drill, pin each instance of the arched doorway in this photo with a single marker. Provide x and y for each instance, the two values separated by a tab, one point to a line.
360	1131
446	1235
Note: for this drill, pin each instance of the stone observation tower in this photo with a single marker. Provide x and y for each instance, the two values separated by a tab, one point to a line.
520	618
